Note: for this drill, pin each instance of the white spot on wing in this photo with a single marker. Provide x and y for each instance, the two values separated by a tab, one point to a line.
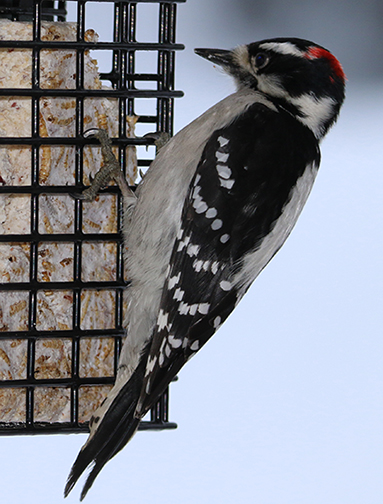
223	171
221	157
162	320
200	206
150	365
216	224
173	281
183	243
222	141
224	238
196	192
179	294
211	213
193	309
216	322
203	308
197	265
192	250
225	285
194	346
183	308
206	265
174	342
228	184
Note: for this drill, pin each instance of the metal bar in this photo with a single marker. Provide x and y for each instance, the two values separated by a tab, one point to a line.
89	46
88	93
65	334
68	428
58	382
72	141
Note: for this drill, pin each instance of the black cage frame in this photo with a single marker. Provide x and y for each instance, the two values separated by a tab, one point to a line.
122	77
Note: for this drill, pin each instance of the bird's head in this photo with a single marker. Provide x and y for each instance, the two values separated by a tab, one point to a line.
298	75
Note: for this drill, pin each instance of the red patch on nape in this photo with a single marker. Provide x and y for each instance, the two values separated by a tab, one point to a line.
318	52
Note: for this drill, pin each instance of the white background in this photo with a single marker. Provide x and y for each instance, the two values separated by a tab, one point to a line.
284	405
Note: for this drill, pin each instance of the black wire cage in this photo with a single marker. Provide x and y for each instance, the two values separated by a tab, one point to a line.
62	289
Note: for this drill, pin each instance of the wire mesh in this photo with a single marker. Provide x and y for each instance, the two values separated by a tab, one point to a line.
34	384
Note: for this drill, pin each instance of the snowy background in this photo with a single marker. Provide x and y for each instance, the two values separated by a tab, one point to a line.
284	405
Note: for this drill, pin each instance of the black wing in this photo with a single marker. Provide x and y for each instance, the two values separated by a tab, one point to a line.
242	182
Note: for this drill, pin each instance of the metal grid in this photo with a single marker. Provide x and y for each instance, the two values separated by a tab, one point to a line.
123	80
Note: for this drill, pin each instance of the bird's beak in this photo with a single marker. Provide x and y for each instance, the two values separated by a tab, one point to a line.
219	56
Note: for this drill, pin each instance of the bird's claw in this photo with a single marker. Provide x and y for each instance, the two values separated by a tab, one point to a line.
160	138
111	169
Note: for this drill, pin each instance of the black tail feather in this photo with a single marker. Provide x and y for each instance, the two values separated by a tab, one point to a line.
106	454
115	429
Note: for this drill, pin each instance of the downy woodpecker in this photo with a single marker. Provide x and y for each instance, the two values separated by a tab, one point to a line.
215	206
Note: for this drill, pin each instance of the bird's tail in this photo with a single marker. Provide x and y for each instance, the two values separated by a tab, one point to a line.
112	432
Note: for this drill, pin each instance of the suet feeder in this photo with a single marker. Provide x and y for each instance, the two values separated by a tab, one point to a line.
62	280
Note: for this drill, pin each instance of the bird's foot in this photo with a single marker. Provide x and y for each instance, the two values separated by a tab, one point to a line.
161	138
110	171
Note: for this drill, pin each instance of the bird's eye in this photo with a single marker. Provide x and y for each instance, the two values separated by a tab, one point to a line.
261	60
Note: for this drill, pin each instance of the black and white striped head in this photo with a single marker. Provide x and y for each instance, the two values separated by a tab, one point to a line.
298	75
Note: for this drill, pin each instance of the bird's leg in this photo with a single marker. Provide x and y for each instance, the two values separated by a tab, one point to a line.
110	171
